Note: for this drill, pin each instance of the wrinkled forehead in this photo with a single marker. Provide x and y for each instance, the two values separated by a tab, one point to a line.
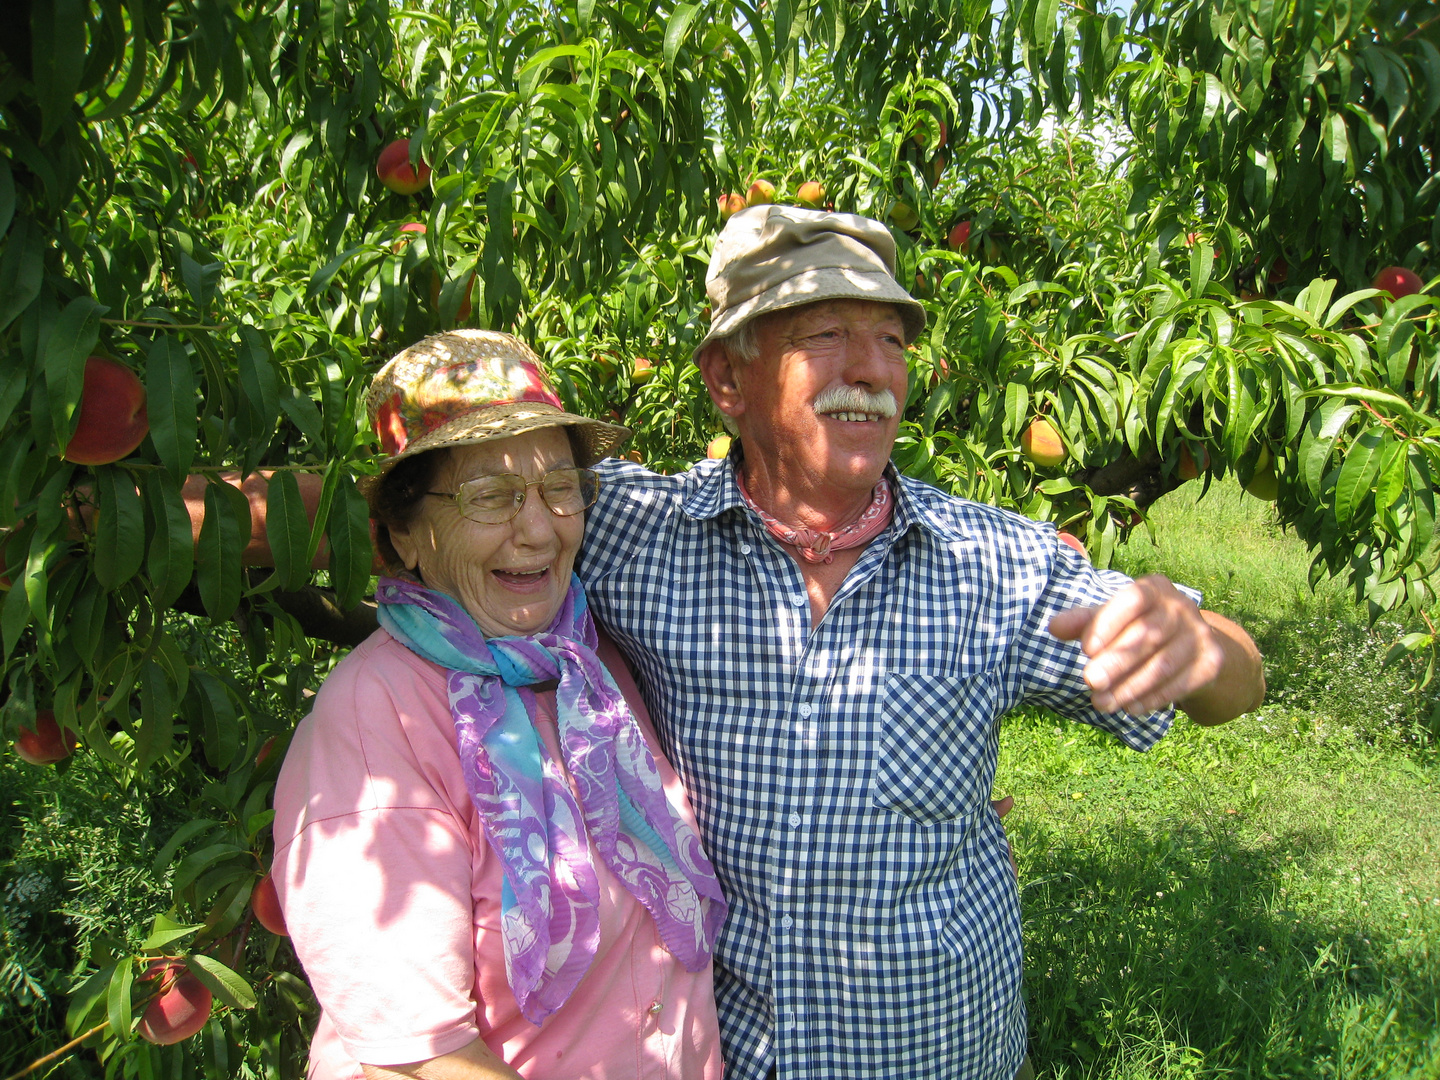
530	454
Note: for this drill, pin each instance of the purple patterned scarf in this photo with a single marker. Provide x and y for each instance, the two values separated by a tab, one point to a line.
541	833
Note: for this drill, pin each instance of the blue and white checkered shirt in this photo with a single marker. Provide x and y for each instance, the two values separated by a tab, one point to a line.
842	775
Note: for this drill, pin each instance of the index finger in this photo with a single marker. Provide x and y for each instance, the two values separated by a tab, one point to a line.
1117	613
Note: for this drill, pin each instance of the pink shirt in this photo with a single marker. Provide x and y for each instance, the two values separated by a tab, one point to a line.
392	898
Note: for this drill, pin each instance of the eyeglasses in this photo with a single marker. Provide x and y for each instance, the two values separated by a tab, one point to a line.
496	499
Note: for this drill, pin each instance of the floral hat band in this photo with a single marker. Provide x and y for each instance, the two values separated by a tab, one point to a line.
472	386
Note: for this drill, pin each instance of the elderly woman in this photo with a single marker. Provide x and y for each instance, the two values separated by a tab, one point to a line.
486	865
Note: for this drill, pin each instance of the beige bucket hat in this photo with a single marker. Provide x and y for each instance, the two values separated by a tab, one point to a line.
472	386
768	258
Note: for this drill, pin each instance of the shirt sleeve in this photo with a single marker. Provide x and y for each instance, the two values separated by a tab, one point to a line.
1051	670
375	878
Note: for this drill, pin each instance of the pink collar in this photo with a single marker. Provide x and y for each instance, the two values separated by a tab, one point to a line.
816	545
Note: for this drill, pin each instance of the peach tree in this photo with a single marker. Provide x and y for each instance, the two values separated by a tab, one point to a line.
1171	223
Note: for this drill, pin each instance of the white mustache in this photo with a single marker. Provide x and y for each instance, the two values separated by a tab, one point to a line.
854	399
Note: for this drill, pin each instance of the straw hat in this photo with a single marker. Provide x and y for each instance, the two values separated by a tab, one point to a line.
472	386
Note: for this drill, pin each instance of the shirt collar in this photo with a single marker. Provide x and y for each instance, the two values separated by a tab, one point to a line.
917	504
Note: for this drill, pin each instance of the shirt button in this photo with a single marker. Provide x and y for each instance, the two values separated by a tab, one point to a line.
797	600
655	1008
787	922
795	820
744	549
805	709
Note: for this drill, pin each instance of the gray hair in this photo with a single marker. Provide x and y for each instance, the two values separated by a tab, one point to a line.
740	344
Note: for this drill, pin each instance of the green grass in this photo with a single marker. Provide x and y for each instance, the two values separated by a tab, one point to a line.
1258	900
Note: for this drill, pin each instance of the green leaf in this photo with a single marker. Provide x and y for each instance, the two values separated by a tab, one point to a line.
676	29
71	340
1381	399
1202	261
1321	430
200	281
229	987
58	52
119	527
117	1000
1357	473
170	405
156	731
304	415
13	380
1407	646
322	510
21	269
223	536
170	562
287	530
1017	408
14	617
351	553
86	999
261	393
197	862
183	835
219	722
1042	26
1391	482
165	930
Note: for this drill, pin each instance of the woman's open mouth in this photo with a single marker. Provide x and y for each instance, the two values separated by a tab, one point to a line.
523	580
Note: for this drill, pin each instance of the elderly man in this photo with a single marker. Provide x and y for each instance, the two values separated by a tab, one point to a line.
828	648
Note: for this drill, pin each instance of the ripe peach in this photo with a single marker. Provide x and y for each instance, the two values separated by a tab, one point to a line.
718	447
408	231
1072	541
730	205
960	237
938	166
810	193
1189	468
112	420
1040	442
265	902
1398	281
46	743
642	371
395	171
761	191
181	1007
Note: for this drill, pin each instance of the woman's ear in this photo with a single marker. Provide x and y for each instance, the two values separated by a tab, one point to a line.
406	544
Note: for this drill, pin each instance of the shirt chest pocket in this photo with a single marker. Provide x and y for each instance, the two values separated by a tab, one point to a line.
937	744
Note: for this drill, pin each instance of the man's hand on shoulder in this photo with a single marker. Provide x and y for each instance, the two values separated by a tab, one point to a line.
1150	647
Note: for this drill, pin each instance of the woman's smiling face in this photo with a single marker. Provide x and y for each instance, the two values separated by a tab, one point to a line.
511	578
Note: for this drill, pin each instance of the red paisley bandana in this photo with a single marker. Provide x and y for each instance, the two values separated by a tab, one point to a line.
816	545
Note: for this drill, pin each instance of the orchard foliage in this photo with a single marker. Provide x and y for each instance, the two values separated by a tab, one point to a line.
191	189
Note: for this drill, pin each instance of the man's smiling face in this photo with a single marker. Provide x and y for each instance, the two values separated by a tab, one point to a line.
825	393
